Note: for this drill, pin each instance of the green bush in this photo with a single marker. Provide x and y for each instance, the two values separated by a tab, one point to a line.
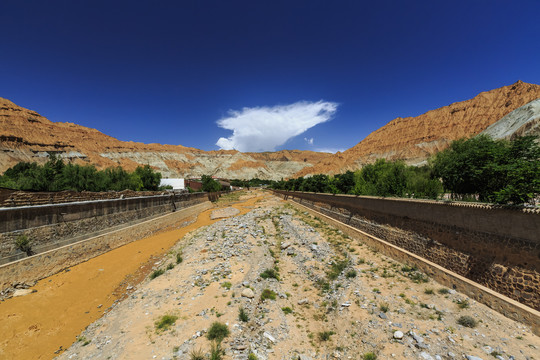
23	243
156	273
216	352
369	356
466	321
165	322
179	258
242	315
270	273
287	310
325	335
218	331
268	294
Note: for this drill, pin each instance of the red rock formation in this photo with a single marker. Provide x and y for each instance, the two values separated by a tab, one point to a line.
414	139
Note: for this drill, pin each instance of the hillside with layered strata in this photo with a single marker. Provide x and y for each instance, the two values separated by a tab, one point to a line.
415	139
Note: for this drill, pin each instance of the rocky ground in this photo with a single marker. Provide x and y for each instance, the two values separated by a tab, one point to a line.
288	286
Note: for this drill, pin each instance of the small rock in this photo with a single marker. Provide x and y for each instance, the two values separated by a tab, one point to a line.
470	357
303	301
23	292
398	335
424	355
383	315
269	337
247	292
285	245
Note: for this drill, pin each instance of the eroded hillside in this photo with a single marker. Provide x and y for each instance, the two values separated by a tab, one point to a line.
414	139
25	135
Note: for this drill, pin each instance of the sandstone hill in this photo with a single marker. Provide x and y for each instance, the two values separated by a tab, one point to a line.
414	139
25	135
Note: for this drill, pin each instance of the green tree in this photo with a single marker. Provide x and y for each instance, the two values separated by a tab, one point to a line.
209	184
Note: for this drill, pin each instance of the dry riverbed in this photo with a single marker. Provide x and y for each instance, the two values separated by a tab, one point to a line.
44	323
305	290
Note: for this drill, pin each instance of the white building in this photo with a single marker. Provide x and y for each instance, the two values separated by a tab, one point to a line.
177	184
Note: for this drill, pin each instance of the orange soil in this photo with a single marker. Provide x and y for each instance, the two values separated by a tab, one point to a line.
40	325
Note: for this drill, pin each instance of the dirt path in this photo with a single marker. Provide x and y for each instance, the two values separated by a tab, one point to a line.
42	324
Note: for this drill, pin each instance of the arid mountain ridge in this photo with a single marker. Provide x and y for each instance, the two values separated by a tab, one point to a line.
25	135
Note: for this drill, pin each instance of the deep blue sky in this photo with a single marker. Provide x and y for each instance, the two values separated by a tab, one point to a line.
166	71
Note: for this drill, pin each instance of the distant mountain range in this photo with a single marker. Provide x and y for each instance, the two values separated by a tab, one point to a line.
27	136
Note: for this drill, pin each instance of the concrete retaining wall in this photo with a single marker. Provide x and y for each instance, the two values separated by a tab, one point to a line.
50	262
494	246
52	226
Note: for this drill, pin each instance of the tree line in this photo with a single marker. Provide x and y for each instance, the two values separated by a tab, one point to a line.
55	175
479	168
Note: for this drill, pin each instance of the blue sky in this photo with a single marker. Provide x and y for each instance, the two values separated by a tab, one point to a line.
168	71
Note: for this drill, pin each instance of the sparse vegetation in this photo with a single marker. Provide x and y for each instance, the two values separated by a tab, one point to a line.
170	266
252	356
227	285
369	356
197	355
325	335
23	243
287	310
218	331
216	351
270	274
443	291
466	321
242	315
428	291
351	274
156	273
179	258
268	294
165	322
384	307
462	304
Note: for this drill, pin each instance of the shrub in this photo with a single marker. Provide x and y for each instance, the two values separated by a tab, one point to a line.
428	291
216	352
351	274
467	321
268	294
384	307
325	335
462	304
218	331
156	273
227	285
369	356
337	268
23	243
286	310
443	291
270	273
242	315
165	322
252	356
170	266
179	258
196	355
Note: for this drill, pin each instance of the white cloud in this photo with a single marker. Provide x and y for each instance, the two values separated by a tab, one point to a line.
330	150
309	141
265	128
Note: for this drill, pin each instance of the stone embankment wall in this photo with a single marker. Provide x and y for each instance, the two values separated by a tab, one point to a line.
45	264
15	198
52	226
494	246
